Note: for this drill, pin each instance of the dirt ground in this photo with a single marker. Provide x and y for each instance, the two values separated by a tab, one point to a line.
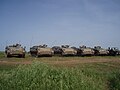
70	61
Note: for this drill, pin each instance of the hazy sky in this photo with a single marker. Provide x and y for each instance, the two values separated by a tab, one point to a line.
56	22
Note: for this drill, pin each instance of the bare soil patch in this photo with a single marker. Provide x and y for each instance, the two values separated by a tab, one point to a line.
81	61
62	62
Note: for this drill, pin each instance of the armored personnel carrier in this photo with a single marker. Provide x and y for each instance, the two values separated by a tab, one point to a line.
100	51
57	50
86	51
66	50
113	51
34	50
41	50
15	50
77	49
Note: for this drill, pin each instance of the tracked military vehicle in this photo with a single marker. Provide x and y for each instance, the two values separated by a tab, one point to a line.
34	50
100	51
57	50
15	50
41	50
113	51
66	50
77	49
86	51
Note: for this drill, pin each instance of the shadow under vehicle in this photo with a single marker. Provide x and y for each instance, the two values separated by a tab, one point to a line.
15	50
68	51
86	51
99	51
41	50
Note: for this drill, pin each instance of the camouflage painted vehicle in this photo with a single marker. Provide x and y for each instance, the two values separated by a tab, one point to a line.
113	51
66	50
41	50
57	50
100	51
15	50
86	51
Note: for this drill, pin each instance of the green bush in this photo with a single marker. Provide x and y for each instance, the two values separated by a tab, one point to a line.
2	54
114	81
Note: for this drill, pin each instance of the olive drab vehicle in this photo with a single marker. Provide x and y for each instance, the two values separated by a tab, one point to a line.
100	51
15	50
86	51
66	50
113	51
41	50
57	50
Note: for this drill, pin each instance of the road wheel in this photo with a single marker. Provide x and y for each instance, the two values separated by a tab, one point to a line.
8	56
23	56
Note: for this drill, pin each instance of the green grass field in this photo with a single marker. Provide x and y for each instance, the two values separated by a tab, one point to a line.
60	73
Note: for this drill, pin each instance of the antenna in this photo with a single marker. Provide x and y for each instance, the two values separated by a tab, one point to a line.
72	43
6	43
19	42
53	42
31	40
